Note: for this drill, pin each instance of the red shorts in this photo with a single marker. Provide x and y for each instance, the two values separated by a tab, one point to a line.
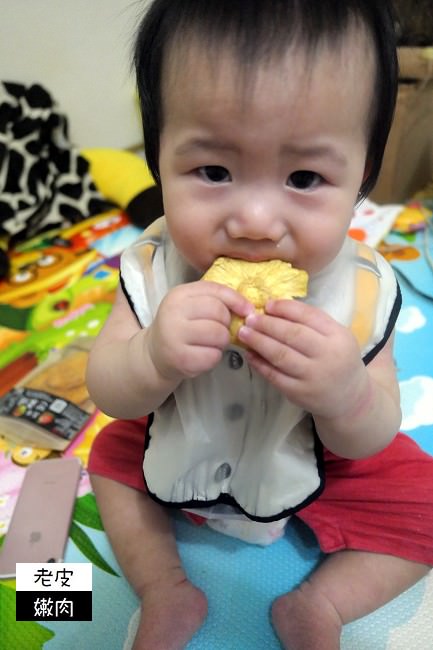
381	504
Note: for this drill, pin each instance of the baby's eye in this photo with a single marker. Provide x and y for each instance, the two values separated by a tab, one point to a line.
215	174
304	180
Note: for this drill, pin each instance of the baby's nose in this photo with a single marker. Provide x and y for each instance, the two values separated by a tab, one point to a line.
256	218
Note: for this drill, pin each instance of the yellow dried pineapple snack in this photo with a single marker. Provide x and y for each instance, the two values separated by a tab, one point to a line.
258	282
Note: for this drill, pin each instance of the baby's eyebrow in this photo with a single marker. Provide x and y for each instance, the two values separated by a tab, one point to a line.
205	144
315	151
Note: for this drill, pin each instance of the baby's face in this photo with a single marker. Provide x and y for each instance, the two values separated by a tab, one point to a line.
269	168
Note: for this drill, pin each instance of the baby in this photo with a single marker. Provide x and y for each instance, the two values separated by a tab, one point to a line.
264	123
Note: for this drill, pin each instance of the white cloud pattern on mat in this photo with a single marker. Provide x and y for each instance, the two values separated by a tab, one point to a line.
132	630
417	632
416	402
409	320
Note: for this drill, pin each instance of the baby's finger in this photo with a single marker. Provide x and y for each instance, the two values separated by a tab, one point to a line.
287	383
277	355
208	333
233	300
296	335
207	307
297	311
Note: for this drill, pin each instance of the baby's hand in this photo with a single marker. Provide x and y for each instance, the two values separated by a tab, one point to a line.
307	355
191	328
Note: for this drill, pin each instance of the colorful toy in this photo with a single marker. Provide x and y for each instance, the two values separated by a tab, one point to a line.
124	178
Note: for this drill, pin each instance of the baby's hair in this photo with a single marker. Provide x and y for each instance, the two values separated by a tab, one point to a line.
256	31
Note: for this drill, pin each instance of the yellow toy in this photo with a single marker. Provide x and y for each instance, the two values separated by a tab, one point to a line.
124	178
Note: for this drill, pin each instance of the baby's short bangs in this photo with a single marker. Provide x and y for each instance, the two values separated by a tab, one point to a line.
256	31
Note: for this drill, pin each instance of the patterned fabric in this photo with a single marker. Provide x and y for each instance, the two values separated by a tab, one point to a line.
240	580
44	182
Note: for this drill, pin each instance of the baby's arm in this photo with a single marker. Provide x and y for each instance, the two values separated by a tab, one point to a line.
132	370
119	372
316	363
373	415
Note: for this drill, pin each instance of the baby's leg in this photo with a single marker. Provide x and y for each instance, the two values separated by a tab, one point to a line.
346	586
141	536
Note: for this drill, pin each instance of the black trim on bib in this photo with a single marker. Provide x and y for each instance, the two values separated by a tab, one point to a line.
128	297
389	328
227	499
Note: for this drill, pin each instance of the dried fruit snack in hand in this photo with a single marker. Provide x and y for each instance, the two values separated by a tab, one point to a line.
258	282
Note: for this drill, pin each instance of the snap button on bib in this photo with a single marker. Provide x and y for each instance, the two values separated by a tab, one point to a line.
223	472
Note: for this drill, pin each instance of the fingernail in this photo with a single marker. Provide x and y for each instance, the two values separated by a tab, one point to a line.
243	332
